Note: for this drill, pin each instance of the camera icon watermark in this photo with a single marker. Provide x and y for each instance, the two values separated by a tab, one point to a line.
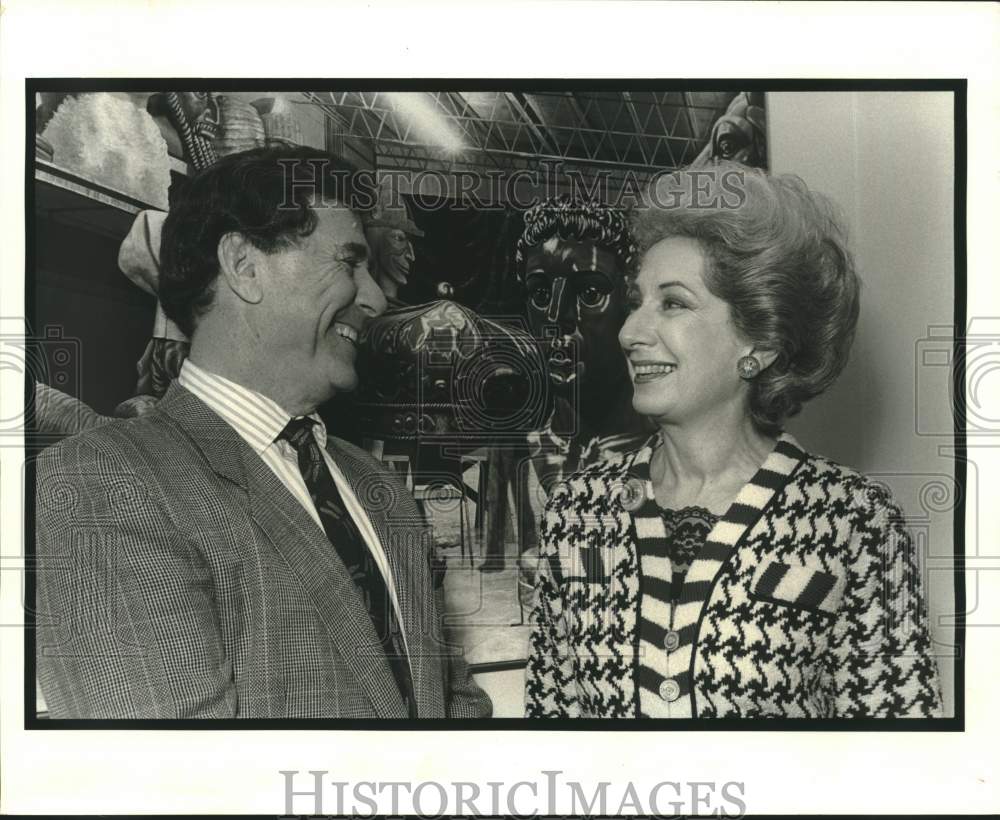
48	358
941	358
489	386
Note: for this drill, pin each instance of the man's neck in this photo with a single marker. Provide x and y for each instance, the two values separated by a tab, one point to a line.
212	357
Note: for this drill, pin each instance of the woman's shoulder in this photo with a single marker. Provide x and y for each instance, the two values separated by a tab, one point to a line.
844	483
594	485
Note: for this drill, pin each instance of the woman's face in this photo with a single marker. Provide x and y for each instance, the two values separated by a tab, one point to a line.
679	339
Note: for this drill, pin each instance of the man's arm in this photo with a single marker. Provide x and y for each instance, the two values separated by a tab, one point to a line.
126	622
463	696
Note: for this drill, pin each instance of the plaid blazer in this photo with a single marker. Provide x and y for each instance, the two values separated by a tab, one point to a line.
804	601
177	578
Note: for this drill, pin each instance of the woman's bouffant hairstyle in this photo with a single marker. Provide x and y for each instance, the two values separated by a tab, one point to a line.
267	195
777	254
573	219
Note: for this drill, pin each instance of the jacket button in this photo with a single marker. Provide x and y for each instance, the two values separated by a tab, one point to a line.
633	494
671	640
670	690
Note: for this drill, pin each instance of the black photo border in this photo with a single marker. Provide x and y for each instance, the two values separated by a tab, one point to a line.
957	86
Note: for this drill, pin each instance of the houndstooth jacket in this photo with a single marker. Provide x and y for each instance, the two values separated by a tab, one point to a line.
804	601
178	578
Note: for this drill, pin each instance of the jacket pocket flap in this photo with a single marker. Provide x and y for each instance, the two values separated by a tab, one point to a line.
797	586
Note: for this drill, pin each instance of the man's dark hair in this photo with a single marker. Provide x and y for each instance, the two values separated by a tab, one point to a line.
267	195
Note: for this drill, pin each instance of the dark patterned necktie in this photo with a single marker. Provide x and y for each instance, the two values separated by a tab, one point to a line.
346	538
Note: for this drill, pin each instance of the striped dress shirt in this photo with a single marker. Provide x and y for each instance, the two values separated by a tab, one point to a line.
259	421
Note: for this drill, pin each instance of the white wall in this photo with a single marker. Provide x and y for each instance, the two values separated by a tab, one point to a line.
888	160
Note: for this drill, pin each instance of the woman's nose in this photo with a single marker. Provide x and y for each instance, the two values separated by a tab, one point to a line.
633	331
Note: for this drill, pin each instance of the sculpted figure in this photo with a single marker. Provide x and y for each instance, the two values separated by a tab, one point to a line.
389	231
572	260
738	135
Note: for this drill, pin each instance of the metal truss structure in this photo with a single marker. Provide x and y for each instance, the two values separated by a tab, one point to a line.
600	133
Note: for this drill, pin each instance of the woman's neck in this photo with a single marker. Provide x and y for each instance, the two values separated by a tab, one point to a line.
705	464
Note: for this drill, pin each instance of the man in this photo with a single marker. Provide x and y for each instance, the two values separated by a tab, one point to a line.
220	556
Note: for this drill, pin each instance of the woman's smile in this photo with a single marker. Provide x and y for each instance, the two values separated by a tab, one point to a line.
648	371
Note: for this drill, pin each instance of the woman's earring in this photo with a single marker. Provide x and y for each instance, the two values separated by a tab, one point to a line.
748	367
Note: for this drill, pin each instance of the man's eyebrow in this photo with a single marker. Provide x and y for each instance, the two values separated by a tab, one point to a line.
357	250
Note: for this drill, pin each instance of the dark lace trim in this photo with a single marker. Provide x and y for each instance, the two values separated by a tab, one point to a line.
686	532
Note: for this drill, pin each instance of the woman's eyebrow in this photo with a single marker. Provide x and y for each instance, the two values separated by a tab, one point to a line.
673	284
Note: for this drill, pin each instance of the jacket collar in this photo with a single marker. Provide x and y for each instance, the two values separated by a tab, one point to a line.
637	497
221	445
302	544
774	473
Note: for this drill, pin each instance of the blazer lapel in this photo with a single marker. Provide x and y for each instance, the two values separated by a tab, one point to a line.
732	527
400	534
320	570
727	534
298	539
638	497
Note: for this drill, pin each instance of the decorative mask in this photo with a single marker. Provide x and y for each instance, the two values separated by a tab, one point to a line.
389	231
739	134
195	117
572	262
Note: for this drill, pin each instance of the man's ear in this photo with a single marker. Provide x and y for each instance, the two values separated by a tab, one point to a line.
237	263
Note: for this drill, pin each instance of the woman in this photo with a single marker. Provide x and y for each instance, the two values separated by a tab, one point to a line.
720	570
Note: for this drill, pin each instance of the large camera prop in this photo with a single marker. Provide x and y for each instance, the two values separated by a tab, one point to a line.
439	371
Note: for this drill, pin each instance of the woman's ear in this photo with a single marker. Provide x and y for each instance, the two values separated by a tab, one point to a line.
765	357
237	263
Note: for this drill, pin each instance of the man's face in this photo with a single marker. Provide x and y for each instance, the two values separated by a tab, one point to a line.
575	305
392	255
317	297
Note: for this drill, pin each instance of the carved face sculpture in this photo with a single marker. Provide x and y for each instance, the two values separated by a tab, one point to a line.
391	257
738	135
576	306
201	110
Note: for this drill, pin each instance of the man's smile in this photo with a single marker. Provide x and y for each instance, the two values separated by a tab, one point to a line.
346	331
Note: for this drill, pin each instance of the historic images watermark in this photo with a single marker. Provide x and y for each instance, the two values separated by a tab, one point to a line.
315	792
492	189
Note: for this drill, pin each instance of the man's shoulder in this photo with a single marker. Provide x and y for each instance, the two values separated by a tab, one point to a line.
112	440
150	447
377	487
356	457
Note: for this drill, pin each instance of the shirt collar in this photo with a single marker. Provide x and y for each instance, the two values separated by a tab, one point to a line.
258	419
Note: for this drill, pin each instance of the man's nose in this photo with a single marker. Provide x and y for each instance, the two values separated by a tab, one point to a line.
562	306
369	297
